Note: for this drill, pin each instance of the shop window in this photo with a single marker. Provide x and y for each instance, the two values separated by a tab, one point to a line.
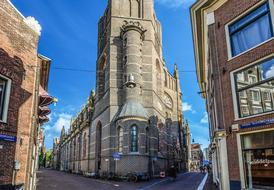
256	96
134	139
4	97
251	30
258	159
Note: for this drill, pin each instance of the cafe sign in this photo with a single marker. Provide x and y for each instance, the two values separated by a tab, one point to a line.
257	123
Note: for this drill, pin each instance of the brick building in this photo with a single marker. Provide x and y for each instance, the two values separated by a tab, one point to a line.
137	109
23	76
234	49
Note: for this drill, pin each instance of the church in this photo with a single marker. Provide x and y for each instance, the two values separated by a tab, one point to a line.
134	121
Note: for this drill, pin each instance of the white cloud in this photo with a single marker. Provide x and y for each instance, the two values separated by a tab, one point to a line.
205	118
33	24
63	120
187	107
175	3
270	72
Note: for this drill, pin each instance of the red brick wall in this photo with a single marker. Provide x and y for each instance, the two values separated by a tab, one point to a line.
226	13
19	44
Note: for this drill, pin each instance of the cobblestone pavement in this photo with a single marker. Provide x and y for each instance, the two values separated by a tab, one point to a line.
55	180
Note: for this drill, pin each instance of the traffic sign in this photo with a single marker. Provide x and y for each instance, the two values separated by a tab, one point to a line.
116	156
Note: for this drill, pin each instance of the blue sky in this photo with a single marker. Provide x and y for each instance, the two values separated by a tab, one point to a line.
69	38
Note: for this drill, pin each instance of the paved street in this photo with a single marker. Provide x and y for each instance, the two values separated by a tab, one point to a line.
55	180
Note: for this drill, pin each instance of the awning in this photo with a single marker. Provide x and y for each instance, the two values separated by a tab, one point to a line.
43	111
45	98
43	119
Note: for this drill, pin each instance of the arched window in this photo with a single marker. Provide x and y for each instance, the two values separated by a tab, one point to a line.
98	144
74	149
101	77
79	149
120	139
84	146
166	79
158	77
134	139
147	140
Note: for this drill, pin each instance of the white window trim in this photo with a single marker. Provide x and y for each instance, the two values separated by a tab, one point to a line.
229	51
6	99
233	89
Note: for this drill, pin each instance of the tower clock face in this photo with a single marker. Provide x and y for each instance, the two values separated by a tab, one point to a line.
168	101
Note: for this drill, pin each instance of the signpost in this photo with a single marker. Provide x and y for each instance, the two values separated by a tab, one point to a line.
116	156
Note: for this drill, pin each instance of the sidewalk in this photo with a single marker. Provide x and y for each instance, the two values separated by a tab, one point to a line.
209	184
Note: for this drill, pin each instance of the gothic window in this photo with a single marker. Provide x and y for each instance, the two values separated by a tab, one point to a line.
168	101
102	78
120	139
134	139
98	144
84	146
74	149
158	76
147	140
78	148
165	79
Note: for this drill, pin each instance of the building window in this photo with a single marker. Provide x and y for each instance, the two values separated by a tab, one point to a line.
120	139
134	139
256	96
258	159
251	30
85	146
4	97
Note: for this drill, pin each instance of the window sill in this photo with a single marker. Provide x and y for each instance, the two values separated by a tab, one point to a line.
4	122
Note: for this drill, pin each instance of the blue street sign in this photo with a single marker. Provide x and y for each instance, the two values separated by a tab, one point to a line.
257	123
116	156
7	138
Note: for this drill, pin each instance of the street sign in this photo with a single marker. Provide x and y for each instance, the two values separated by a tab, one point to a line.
257	123
7	138
116	156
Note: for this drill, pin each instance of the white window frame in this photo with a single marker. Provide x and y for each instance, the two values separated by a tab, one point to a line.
228	43
6	99
233	89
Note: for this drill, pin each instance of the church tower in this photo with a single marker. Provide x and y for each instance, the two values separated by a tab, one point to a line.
133	84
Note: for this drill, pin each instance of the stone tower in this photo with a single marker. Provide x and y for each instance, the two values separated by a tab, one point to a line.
138	102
